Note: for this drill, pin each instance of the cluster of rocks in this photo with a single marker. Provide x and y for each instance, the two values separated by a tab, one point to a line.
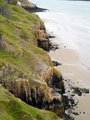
47	44
53	46
70	103
36	96
80	91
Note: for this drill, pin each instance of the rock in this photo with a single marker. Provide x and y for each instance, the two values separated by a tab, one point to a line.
44	43
79	91
50	36
75	113
84	90
40	96
72	101
53	78
72	94
33	8
56	108
65	80
53	46
66	102
68	117
55	63
83	112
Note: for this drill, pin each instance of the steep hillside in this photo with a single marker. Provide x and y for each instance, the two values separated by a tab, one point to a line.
25	69
18	41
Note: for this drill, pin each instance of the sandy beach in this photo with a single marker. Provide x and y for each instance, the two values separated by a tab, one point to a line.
79	75
71	67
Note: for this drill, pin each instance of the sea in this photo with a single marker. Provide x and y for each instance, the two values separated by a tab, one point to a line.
70	21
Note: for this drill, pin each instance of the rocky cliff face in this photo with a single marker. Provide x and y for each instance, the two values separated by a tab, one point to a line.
45	94
42	40
13	108
53	78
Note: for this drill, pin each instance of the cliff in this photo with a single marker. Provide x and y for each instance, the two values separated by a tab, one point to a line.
25	69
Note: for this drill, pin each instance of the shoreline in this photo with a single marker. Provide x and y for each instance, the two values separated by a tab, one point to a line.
76	74
71	67
34	78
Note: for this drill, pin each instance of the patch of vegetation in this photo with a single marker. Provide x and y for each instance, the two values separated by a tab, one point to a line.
18	38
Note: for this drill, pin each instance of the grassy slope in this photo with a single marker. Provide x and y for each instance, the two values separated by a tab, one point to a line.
25	57
19	40
12	108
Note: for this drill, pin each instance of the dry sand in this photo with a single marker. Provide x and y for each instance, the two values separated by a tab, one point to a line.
71	68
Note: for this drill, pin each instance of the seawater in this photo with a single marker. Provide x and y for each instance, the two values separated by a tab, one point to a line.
70	21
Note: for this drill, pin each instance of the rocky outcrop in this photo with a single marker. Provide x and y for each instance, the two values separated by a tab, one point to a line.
31	7
45	95
41	37
43	43
13	108
53	78
22	89
40	97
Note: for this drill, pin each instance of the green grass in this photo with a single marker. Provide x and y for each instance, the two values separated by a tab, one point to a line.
20	49
12	108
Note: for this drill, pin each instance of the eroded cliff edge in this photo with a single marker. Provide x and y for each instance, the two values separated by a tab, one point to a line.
25	69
